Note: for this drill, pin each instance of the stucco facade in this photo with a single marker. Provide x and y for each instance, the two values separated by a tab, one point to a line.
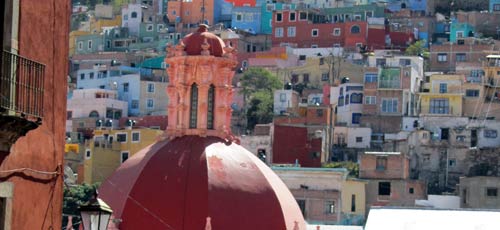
110	148
479	192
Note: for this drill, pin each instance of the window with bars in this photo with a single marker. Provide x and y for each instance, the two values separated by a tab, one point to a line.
193	113
439	106
211	102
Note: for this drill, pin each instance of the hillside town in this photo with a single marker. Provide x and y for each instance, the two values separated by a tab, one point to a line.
355	114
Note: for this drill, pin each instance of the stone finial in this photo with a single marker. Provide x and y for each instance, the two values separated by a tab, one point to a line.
228	50
169	49
205	46
179	49
208	225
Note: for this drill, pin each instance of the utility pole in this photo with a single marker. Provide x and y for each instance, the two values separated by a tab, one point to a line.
203	12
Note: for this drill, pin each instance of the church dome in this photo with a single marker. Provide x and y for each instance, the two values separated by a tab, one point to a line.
193	42
194	182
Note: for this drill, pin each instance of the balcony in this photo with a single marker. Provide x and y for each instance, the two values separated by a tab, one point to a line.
21	97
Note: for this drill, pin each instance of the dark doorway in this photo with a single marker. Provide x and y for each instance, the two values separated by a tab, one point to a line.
445	133
473	138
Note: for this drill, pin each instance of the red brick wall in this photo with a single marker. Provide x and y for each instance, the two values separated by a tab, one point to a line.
397	167
472	52
292	143
315	204
37	198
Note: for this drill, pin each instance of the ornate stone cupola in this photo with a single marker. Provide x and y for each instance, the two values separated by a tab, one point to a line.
200	91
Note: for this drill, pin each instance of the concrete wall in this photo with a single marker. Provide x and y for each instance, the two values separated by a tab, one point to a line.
353	215
397	166
399	193
473	192
255	143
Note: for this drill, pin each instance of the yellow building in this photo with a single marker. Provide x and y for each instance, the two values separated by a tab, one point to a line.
110	148
96	25
443	95
354	200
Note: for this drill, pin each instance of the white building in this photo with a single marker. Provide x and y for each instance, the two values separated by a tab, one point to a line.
285	99
132	18
95	104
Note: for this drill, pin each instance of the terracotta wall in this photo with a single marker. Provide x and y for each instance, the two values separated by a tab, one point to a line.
37	198
291	143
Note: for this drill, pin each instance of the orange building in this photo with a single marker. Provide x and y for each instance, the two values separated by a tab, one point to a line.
33	83
187	14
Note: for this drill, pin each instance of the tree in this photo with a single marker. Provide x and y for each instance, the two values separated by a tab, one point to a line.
258	85
74	196
418	49
352	167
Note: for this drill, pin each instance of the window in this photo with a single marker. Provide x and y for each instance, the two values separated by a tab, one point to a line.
389	105
89	44
452	162
239	17
125	17
133	15
80	45
270	7
439	106
282	97
370	77
336	32
346	99
404	62
380	62
135	104
356	117
329	207
472	93
496	7
295	78
355	29
445	133
491	192
426	157
292	16
211	109
369	14
464	196
291	31
150	103
87	154
384	188
279	17
460	57
442	57
302	206
125	87
91	75
136	136
305	78
370	100
353	203
149	27
121	137
443	88
278	32
490	133
174	12
319	113
460	34
359	139
325	77
94	114
357	98
124	157
193	113
381	163
151	87
303	16
411	190
82	76
314	32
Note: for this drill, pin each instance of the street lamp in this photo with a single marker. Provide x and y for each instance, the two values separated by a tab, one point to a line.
95	214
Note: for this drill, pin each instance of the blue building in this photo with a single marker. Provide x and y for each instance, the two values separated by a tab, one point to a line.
247	18
267	14
460	30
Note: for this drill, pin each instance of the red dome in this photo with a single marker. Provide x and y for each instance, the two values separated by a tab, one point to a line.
194	40
178	184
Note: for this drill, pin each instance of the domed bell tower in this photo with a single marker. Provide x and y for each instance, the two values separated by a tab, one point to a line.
200	91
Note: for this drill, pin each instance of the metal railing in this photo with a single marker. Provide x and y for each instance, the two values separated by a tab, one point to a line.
21	85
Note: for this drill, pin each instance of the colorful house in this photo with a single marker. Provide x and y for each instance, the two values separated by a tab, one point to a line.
444	96
247	19
494	5
267	10
109	148
459	31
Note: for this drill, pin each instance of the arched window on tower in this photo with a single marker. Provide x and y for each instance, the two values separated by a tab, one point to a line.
211	103
193	113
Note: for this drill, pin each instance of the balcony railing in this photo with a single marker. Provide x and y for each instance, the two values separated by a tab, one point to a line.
21	85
